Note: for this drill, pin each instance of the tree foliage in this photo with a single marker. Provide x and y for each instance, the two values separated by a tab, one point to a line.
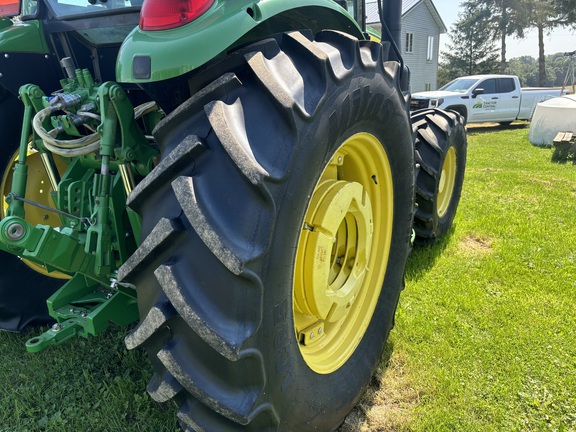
507	18
503	18
559	70
472	49
547	15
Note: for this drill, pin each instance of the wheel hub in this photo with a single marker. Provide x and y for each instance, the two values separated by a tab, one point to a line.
336	250
342	253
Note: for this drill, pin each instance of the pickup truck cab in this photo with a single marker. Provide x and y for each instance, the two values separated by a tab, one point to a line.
485	98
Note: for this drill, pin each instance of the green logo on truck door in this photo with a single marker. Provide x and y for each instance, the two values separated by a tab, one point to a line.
484	105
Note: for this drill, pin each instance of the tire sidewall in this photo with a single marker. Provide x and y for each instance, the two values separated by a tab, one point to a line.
341	116
457	140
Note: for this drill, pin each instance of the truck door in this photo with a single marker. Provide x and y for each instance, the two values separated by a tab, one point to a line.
484	106
508	99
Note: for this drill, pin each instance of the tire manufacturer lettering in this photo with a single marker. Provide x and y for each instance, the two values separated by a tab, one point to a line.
284	362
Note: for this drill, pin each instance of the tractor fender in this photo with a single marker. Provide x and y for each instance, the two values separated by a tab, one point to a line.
23	43
22	36
151	56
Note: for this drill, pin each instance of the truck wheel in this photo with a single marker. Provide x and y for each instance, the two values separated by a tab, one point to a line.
275	235
441	153
20	307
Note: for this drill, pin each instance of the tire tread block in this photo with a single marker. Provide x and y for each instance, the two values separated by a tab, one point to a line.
195	416
182	156
233	403
185	194
163	388
203	328
161	237
154	320
225	120
287	95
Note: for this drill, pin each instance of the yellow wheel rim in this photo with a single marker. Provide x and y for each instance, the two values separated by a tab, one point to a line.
38	190
342	253
447	182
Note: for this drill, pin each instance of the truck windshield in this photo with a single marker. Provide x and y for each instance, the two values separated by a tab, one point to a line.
459	85
63	8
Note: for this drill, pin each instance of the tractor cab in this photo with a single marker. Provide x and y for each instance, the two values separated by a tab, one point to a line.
46	31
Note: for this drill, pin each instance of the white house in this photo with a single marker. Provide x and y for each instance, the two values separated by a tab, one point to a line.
421	30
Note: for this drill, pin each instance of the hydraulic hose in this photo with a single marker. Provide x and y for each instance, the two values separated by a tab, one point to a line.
69	148
80	146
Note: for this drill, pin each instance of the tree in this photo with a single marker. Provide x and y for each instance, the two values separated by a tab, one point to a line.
559	69
526	68
545	16
507	18
472	49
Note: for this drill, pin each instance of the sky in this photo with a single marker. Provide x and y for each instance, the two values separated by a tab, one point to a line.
561	40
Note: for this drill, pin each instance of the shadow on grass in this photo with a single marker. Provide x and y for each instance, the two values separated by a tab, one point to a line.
479	128
424	256
388	398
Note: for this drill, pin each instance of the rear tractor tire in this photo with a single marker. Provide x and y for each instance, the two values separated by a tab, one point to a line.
440	147
24	287
276	230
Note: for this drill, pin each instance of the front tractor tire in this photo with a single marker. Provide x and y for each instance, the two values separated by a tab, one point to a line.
441	148
276	231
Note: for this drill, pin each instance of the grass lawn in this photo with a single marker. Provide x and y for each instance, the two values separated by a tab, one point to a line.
484	338
82	385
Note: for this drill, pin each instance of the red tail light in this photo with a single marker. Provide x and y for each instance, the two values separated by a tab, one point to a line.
167	14
9	7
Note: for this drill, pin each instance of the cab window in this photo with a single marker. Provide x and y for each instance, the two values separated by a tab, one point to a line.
489	86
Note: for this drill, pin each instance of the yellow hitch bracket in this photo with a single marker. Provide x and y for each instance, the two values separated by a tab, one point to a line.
312	334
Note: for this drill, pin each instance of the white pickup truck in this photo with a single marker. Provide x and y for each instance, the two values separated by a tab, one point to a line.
485	98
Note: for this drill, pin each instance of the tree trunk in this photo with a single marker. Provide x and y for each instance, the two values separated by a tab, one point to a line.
541	57
503	56
503	31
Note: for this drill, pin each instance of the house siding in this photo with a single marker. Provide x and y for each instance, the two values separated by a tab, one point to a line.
420	18
420	22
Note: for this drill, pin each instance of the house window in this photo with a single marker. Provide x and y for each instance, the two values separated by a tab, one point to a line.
409	42
430	52
427	86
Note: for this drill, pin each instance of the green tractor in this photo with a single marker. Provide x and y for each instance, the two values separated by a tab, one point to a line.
242	178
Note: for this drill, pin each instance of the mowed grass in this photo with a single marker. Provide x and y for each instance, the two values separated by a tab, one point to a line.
82	385
485	336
